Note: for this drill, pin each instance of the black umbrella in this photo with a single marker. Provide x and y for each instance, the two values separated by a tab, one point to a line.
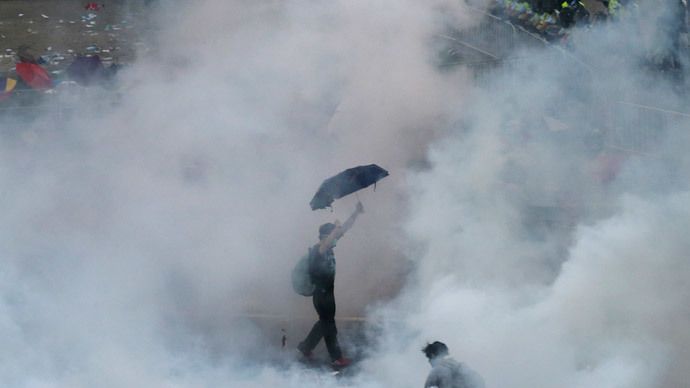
347	182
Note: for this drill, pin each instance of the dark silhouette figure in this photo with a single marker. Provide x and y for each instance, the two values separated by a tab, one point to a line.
24	56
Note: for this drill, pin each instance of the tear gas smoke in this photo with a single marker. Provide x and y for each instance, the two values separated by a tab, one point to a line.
517	224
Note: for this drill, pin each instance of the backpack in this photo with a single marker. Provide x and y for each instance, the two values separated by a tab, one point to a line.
301	278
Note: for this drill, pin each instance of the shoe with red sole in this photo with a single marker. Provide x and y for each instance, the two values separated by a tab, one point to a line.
307	354
341	362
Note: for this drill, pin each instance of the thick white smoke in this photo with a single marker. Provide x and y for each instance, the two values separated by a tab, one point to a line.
589	295
150	243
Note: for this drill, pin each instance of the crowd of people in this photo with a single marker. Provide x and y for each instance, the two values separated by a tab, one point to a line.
549	18
554	19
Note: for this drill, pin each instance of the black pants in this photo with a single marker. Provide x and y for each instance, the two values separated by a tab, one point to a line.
324	303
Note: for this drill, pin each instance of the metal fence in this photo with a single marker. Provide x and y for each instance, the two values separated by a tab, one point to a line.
488	45
495	38
492	47
640	128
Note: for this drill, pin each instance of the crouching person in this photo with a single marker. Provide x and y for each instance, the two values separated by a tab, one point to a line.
448	373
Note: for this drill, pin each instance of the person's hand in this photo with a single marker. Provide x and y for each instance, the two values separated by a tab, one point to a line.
360	208
337	224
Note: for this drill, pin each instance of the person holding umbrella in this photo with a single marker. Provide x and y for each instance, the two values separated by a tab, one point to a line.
322	272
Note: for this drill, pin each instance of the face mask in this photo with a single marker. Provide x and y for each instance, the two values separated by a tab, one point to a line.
335	242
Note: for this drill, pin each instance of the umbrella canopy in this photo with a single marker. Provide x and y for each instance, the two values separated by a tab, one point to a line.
6	86
34	75
86	69
346	182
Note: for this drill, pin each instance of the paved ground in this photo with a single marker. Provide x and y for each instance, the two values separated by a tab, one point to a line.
63	29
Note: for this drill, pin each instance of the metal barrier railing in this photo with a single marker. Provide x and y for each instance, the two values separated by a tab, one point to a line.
497	36
491	47
638	128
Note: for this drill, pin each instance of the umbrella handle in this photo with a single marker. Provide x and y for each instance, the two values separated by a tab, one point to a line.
357	195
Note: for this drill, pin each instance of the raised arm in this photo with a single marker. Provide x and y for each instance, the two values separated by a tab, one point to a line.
350	221
340	229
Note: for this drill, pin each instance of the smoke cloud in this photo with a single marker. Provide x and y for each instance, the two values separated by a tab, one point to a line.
533	218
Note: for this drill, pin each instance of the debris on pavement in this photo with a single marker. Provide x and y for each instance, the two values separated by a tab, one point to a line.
92	7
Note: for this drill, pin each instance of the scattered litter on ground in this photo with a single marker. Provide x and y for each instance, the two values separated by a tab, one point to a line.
55	31
53	59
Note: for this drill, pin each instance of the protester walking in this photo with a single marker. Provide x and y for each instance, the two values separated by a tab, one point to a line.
322	273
